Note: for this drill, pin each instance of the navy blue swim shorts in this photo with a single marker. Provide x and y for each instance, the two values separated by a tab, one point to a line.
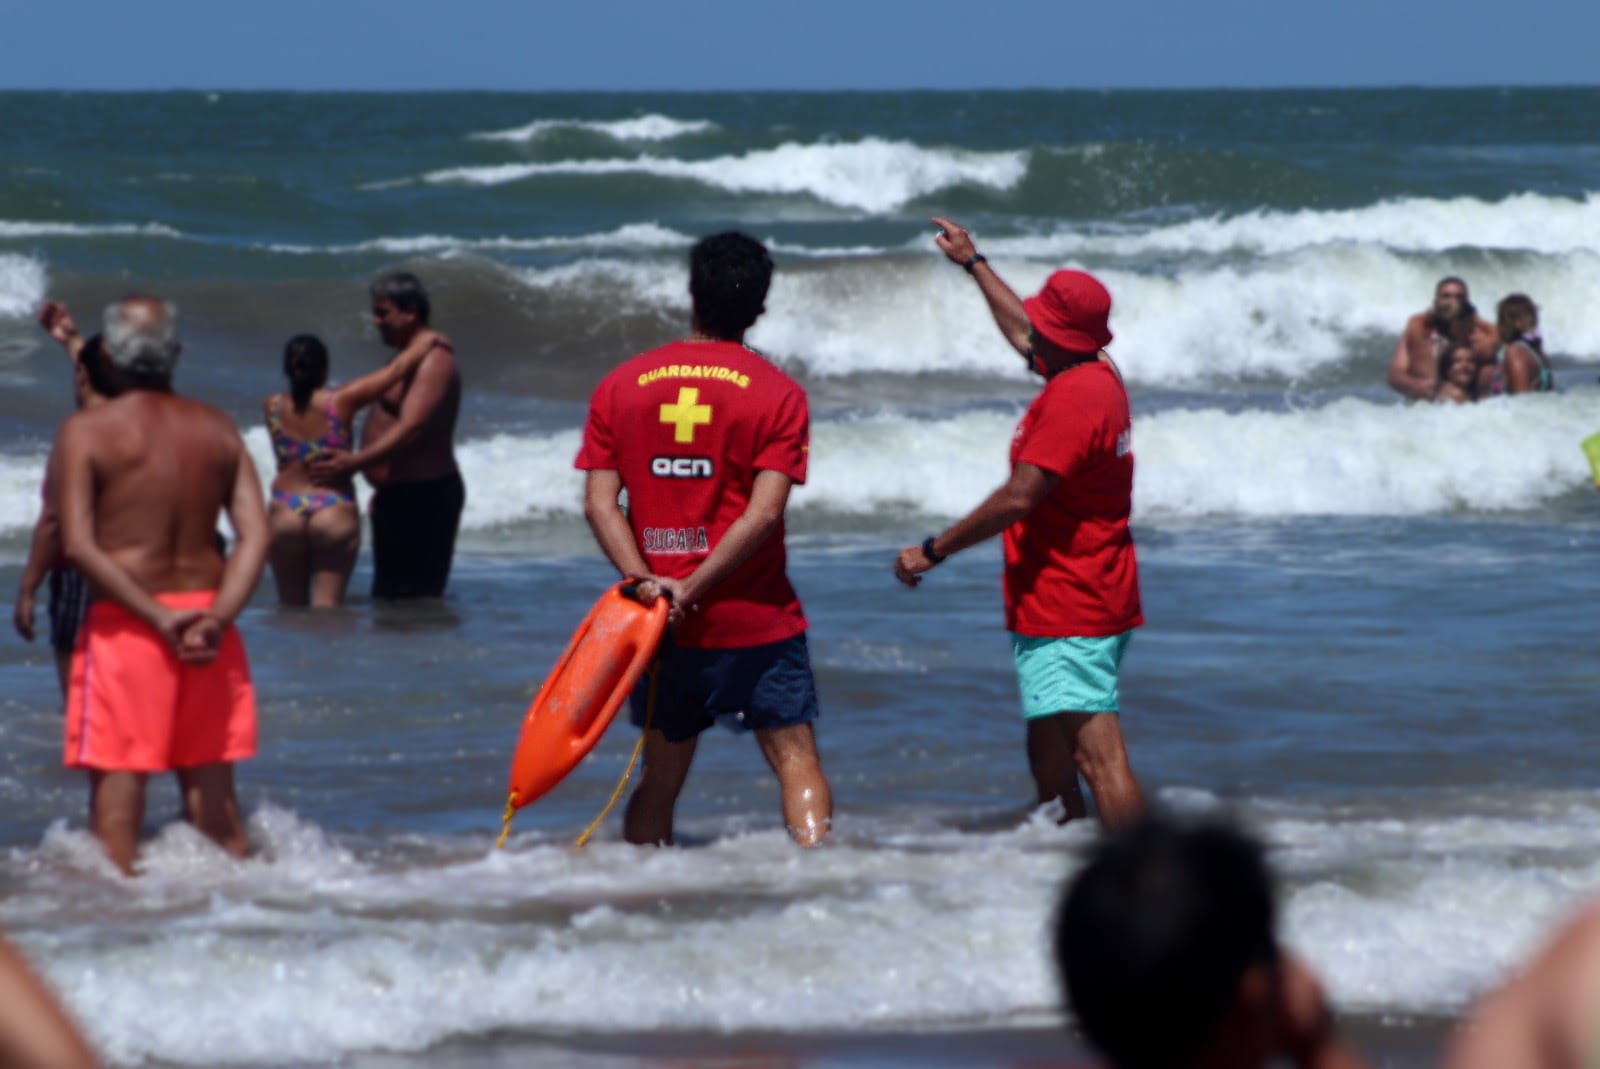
749	689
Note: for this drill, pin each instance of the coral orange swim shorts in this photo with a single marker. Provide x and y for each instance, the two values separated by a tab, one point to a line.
132	706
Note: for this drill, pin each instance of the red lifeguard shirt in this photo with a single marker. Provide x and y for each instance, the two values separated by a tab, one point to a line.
1069	564
687	427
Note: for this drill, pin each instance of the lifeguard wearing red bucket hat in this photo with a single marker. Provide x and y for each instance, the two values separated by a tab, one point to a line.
1072	311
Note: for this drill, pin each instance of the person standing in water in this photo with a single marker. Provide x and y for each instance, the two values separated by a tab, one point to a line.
1071	580
316	530
159	679
407	453
707	438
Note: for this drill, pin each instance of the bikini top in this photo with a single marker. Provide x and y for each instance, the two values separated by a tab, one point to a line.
1497	378
287	448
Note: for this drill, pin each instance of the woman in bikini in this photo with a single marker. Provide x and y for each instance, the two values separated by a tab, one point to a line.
316	530
1520	365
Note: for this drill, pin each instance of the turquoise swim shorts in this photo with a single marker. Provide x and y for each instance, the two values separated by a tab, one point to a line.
1068	675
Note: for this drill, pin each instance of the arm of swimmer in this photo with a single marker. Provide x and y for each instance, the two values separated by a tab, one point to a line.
603	510
43	548
1020	495
1518	359
1004	304
78	534
369	387
35	1032
55	319
1401	377
247	514
1543	1017
759	521
426	394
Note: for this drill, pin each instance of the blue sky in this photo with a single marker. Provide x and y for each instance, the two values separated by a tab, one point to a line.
811	44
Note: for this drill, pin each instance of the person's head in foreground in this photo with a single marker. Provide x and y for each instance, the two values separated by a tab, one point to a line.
729	275
1167	951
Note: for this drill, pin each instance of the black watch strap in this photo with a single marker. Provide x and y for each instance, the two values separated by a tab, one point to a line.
927	551
976	259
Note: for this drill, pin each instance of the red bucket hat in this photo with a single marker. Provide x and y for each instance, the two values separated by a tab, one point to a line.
1072	311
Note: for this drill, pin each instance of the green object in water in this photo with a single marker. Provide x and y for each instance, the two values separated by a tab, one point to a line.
1591	449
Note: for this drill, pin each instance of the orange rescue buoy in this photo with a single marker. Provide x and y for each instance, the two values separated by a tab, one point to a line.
593	677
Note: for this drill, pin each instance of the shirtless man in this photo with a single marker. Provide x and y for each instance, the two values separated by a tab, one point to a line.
159	679
407	454
1414	367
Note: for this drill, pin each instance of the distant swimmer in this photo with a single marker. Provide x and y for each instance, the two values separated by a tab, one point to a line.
707	438
1520	365
1167	947
69	595
408	453
1414	367
1458	375
159	679
1071	580
316	530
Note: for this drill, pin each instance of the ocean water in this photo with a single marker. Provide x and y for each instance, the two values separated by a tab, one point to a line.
1371	630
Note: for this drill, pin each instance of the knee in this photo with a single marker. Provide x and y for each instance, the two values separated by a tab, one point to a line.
1099	750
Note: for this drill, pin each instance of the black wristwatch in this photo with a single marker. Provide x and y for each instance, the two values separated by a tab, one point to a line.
973	261
927	551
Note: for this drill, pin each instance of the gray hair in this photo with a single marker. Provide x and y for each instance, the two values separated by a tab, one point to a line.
143	345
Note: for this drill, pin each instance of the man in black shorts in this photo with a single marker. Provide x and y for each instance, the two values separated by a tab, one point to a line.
69	595
407	453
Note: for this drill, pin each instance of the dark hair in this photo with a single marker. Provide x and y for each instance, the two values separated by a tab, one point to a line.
1155	933
305	363
96	368
403	290
729	275
1447	356
1465	292
1515	317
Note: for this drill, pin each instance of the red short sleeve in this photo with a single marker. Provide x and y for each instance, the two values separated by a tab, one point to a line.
1058	438
598	452
788	444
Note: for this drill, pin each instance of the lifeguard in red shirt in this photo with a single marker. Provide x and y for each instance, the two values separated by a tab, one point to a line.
707	437
1071	579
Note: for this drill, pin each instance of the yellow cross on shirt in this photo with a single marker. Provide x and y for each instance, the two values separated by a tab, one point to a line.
686	414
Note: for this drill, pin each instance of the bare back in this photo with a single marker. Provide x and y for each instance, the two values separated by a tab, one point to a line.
432	394
164	467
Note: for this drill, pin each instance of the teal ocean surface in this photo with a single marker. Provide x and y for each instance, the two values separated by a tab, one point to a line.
1371	629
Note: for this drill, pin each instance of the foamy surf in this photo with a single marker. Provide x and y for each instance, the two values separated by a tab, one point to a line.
22	285
640	128
870	175
315	951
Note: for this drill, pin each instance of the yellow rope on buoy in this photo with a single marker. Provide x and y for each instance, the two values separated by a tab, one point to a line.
505	828
627	774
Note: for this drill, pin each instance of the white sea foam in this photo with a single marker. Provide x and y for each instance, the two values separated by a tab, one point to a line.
1285	316
18	229
1348	458
310	952
632	236
641	128
22	284
1529	222
871	175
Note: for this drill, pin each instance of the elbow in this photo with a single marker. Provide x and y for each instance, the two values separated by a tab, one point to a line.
76	550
